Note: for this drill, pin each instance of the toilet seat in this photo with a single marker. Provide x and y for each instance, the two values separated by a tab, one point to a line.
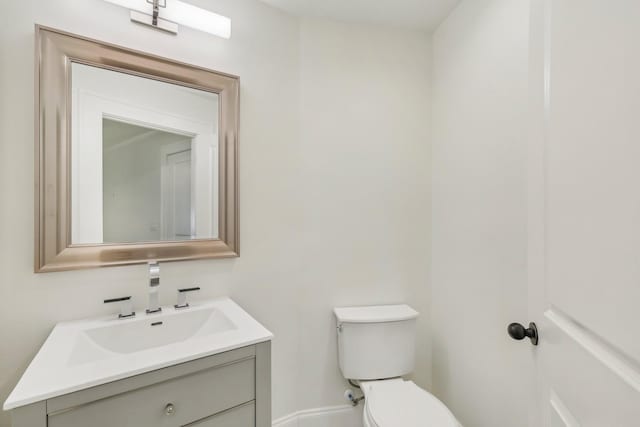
394	403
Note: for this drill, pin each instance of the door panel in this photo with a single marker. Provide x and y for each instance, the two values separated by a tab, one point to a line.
177	196
593	202
580	384
560	415
584	211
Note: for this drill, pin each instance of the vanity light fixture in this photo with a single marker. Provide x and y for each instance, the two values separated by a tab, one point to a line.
165	15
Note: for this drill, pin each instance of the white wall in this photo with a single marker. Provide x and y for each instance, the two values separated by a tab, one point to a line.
332	214
364	160
479	212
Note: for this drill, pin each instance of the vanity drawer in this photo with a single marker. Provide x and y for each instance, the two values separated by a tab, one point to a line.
193	397
242	416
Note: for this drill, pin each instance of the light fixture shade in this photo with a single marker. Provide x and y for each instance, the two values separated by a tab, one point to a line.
184	14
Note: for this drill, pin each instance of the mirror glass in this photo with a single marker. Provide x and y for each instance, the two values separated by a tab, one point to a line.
144	159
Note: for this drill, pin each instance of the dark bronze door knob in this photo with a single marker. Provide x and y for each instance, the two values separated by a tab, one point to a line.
519	332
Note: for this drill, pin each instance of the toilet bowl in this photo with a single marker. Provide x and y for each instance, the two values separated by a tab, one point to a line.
399	403
376	347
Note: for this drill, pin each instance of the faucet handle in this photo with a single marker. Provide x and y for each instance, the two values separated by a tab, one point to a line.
126	308
182	297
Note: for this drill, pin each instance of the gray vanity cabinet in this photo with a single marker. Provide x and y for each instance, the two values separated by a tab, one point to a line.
237	417
231	389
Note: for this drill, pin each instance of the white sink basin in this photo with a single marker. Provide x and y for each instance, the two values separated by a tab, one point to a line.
86	353
148	332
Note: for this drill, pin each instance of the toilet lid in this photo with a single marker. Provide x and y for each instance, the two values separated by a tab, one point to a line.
402	403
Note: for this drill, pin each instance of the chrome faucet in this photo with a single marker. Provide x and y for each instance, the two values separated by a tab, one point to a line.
154	285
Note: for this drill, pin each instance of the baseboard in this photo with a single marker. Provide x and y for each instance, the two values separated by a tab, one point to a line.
332	416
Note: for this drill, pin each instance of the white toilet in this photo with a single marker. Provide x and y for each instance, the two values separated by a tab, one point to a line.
376	347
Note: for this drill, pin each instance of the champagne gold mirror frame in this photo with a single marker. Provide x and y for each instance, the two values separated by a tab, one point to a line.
55	52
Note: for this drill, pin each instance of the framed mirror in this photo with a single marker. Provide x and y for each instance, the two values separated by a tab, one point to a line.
136	157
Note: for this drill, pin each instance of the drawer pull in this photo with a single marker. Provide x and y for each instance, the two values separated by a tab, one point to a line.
170	409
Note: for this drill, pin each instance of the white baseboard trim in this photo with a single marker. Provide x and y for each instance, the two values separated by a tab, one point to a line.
331	416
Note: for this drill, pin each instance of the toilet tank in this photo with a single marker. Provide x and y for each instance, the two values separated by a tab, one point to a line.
376	342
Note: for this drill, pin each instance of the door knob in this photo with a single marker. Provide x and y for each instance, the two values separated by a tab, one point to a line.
519	332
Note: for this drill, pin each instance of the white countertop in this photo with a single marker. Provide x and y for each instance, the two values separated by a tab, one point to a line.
56	369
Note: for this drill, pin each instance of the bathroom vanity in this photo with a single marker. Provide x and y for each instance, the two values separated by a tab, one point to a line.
106	116
207	366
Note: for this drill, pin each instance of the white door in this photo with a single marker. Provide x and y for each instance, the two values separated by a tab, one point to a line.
584	206
177	206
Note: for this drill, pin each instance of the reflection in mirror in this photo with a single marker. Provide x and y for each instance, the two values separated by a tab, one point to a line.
144	159
146	184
